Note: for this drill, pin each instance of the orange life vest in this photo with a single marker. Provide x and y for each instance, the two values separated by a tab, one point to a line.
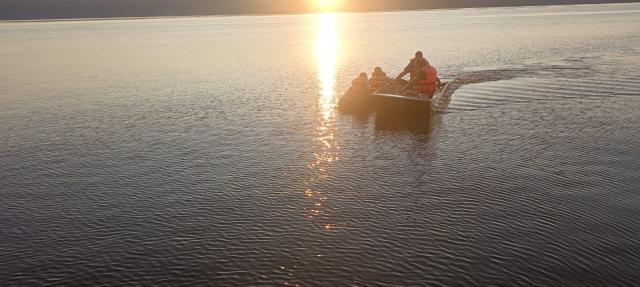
378	80
427	84
359	87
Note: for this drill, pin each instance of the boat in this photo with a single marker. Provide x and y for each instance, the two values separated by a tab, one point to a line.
390	101
349	103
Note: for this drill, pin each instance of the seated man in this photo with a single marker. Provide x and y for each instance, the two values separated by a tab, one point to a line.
360	85
429	81
379	79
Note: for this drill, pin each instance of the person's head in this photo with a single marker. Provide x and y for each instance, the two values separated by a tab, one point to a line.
377	69
363	75
419	54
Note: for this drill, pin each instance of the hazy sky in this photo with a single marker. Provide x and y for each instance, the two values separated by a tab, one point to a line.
47	9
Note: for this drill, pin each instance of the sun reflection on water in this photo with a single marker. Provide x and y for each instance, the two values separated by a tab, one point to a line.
325	141
327	54
325	144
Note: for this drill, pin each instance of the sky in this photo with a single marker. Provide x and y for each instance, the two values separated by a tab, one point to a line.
61	9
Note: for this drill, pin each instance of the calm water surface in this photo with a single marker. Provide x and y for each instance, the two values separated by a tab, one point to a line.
208	151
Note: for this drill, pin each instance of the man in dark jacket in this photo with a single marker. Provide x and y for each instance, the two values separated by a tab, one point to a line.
415	66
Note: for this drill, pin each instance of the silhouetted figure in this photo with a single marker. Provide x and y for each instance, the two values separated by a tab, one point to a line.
360	85
414	67
379	79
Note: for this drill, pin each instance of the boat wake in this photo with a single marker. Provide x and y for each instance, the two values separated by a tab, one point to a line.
572	78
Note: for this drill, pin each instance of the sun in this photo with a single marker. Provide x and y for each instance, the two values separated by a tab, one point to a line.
327	5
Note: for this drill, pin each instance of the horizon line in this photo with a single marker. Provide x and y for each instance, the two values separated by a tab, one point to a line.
124	18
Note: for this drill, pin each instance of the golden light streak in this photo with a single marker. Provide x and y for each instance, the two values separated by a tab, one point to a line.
325	140
325	143
327	50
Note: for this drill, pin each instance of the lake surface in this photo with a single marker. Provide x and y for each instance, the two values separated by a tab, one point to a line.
208	151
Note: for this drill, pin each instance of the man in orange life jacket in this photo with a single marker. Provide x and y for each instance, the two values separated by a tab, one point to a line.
378	78
428	81
360	85
414	68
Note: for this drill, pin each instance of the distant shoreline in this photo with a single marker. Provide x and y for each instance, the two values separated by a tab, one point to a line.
72	19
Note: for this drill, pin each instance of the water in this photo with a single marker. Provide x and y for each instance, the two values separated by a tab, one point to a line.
208	151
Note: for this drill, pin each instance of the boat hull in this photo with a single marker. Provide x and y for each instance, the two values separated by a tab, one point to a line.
356	104
402	106
390	103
